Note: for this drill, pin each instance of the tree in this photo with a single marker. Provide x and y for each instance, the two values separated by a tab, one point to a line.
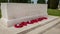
19	1
3	1
41	1
53	4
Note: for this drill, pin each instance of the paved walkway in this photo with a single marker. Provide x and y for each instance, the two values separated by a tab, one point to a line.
54	30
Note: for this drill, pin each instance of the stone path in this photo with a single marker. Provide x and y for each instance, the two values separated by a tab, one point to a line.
54	30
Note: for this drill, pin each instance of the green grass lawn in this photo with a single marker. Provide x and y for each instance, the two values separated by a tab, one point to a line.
54	12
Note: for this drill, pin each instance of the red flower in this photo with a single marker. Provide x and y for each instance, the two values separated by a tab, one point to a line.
40	19
29	22
24	23
44	18
18	26
34	21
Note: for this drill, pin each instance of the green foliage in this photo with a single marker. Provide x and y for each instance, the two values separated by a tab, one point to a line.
41	1
22	1
15	1
3	1
19	1
53	4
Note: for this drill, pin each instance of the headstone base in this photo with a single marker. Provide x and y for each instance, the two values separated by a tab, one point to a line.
30	29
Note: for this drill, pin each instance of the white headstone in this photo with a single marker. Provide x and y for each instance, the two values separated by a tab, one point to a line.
13	13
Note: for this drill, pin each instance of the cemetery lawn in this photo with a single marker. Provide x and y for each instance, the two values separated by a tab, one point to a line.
53	12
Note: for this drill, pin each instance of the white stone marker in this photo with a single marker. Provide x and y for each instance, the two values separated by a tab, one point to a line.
13	13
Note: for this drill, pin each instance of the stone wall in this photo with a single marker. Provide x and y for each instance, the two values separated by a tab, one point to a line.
16	12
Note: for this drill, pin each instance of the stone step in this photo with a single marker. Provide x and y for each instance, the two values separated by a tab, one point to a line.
41	30
53	30
36	28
